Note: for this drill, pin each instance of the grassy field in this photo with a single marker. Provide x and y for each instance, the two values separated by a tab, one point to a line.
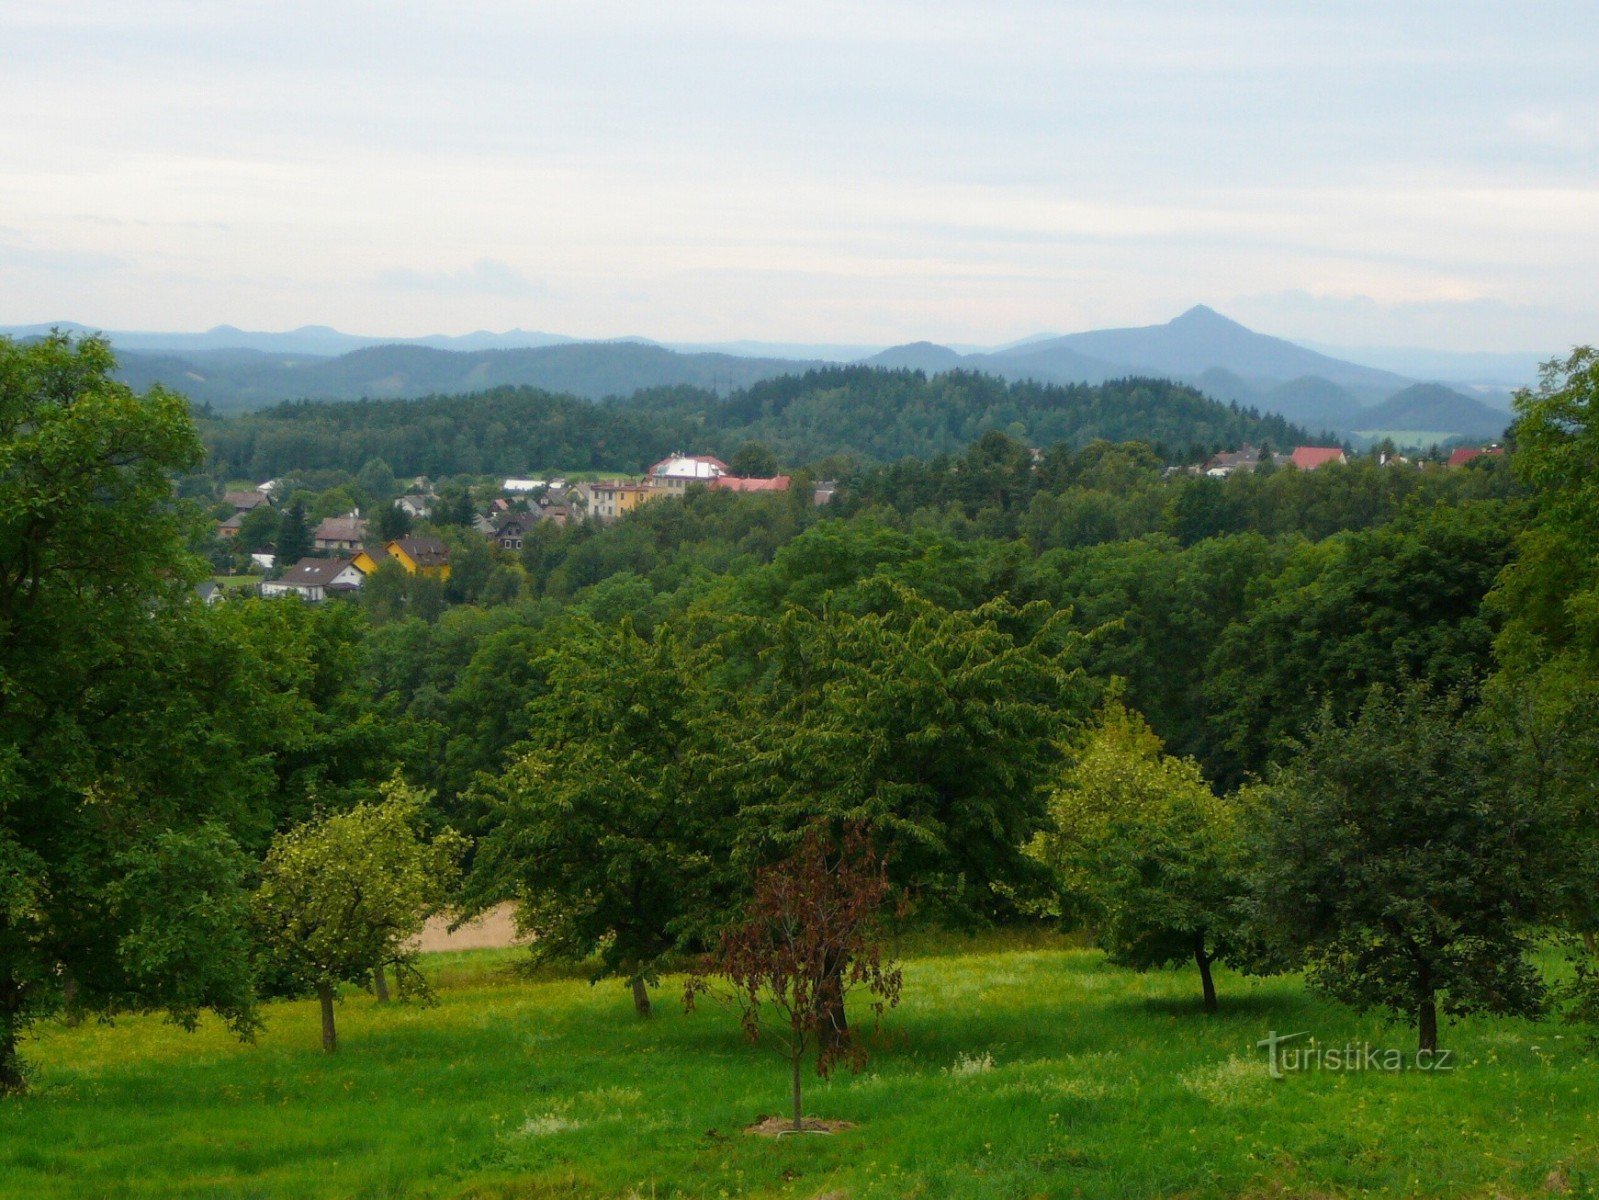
1014	1068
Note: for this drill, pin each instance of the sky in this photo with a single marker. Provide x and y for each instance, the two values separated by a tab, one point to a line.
1355	173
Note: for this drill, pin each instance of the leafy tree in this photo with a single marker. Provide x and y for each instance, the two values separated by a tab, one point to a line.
342	894
753	459
1547	685
377	483
1146	851
939	731
294	540
258	529
119	883
1393	860
606	827
392	522
822	905
1404	600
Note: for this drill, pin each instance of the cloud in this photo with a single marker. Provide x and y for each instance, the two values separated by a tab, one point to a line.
485	277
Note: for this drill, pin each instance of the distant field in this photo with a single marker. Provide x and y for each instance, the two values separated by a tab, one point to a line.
1014	1068
1421	438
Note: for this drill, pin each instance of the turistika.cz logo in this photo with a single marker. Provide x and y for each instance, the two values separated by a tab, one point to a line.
1283	1059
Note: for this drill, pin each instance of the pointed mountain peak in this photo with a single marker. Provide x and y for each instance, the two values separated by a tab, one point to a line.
1203	315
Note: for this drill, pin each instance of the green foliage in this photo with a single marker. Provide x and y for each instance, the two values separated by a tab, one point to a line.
342	894
110	754
936	730
874	415
294	540
1143	848
607	826
258	529
1392	854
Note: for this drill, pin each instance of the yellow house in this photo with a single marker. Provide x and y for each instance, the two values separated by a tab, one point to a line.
418	555
611	499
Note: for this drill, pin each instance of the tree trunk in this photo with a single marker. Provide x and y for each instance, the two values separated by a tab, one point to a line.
799	1104
641	997
12	1080
1427	1025
1588	941
380	984
330	1035
1205	981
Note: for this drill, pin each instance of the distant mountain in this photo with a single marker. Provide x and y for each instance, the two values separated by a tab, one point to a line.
1201	339
238	380
235	369
917	356
1315	403
1433	407
1500	372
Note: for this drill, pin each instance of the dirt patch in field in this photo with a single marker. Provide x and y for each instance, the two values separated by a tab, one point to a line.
775	1126
494	930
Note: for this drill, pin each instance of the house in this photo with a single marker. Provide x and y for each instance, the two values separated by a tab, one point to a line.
1466	454
824	492
209	591
265	561
1219	466
1308	458
611	499
340	533
675	472
243	502
738	483
415	507
426	556
513	528
230	527
522	485
315	579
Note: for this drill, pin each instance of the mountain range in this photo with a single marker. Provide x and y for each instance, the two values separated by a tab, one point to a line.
234	370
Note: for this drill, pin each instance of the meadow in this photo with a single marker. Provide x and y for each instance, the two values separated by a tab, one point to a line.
1016	1066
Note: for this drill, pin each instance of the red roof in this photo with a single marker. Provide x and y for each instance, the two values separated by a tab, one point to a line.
738	483
1465	454
1308	458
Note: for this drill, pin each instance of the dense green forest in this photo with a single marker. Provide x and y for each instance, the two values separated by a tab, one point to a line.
855	412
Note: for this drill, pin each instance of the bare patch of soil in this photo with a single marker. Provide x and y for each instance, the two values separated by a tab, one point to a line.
494	930
774	1126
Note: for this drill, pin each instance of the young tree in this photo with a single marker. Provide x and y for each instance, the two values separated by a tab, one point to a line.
606	827
1395	864
341	895
119	882
821	906
1145	851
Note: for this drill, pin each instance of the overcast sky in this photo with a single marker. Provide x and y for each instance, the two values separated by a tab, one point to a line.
1388	172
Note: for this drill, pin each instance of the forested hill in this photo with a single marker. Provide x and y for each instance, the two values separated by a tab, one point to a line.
875	415
884	416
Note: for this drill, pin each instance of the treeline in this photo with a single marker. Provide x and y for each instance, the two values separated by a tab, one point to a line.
845	414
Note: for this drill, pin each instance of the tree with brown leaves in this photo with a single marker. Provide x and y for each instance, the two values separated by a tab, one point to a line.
821	907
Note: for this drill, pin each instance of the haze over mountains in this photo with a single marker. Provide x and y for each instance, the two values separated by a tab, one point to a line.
235	370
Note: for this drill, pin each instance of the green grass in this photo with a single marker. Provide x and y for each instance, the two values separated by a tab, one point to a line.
1015	1067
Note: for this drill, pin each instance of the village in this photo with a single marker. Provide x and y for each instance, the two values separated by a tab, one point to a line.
347	550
